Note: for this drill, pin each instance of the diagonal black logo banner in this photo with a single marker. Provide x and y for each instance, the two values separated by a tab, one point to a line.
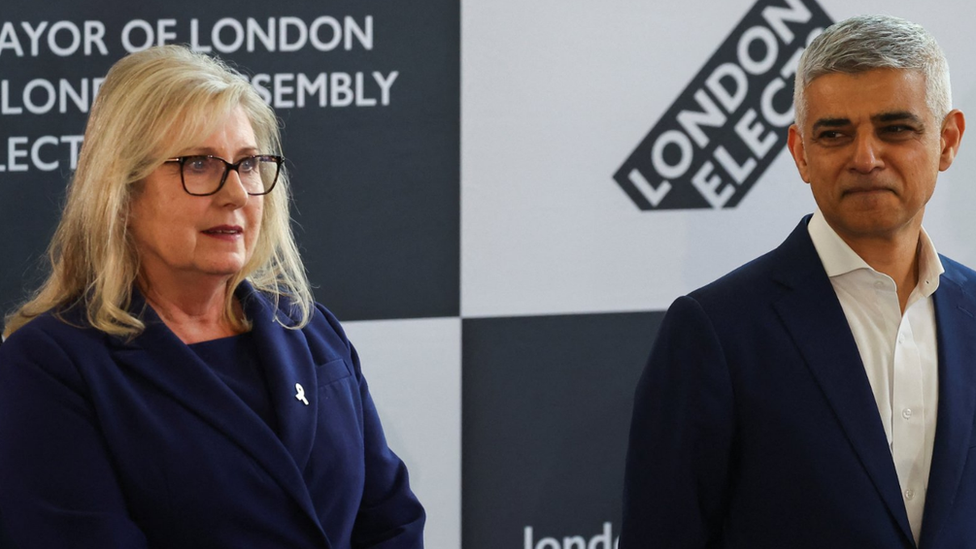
728	125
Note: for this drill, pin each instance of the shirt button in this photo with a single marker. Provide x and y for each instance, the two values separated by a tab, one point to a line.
906	413
909	494
879	284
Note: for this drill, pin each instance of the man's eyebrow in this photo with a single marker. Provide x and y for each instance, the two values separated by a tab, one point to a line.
896	116
831	123
881	118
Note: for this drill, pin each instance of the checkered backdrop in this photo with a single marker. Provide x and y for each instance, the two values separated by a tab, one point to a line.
502	278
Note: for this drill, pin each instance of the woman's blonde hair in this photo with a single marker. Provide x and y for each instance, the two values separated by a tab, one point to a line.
152	105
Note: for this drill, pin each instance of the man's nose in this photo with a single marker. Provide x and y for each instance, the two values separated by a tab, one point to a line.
867	154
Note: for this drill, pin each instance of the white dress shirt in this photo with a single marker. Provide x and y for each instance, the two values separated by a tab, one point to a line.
898	351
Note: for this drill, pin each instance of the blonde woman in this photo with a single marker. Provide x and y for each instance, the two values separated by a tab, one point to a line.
172	383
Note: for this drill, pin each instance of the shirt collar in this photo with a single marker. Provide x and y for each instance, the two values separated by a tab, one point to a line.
839	259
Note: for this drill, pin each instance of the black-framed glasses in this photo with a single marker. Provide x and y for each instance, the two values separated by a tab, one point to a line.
205	174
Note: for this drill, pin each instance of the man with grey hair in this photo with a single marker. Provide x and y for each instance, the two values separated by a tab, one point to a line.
823	395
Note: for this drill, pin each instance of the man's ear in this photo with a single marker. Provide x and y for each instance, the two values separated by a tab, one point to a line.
795	143
953	127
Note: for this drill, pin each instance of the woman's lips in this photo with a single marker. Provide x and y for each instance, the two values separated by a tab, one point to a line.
225	232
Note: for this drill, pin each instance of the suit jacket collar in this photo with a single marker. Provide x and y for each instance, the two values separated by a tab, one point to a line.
811	312
160	357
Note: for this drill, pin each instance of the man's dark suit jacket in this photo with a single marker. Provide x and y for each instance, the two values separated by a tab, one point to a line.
108	443
755	426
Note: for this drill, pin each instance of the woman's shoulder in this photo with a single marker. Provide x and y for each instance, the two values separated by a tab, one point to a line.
323	324
280	323
288	312
55	329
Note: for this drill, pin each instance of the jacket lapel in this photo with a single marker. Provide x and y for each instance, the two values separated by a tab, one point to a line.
955	315
294	367
161	358
814	318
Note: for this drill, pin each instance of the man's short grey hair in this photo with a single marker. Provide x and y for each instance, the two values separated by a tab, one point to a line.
868	42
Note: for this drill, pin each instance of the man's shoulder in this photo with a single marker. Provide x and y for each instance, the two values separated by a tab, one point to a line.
757	279
747	282
962	275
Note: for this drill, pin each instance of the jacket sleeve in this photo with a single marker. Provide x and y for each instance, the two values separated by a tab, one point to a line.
676	481
57	484
390	516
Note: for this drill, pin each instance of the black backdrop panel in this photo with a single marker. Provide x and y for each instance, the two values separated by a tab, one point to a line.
376	182
546	410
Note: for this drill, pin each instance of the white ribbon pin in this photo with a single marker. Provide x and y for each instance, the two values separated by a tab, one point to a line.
300	395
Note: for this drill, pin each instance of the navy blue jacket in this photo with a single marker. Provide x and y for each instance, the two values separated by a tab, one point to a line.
111	443
755	426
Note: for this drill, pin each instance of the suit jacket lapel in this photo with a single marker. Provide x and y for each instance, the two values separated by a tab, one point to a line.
294	367
813	316
955	314
161	358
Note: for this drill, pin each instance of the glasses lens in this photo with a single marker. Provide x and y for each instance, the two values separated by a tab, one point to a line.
251	174
201	174
268	167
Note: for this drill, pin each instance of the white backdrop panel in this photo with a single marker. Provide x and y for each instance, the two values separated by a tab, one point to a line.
555	96
414	372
